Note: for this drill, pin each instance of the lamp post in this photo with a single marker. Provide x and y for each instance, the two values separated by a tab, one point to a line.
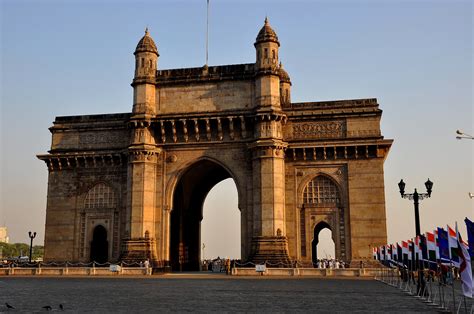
462	135
416	197
32	235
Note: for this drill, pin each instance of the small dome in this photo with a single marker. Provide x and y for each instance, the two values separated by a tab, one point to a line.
284	77
146	44
267	34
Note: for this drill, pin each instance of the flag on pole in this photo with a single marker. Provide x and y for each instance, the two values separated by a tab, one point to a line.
431	246
395	252
431	249
444	255
470	235
405	252
465	270
399	253
453	246
423	247
437	243
417	248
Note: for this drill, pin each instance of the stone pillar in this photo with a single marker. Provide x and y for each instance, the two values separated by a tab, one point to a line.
139	243
269	243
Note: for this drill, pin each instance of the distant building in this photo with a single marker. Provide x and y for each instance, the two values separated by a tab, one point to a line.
4	234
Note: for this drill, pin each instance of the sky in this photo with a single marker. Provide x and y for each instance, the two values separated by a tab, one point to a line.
76	57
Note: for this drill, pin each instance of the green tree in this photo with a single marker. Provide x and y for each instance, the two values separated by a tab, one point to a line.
13	250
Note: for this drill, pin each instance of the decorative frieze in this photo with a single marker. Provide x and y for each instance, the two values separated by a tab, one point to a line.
213	128
102	139
143	155
322	153
318	130
85	160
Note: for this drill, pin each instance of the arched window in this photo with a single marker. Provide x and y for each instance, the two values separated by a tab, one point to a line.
321	190
273	54
100	196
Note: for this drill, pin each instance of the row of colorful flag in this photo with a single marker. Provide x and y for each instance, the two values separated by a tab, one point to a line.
427	250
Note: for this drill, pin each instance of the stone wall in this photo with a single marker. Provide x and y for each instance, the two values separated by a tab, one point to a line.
205	97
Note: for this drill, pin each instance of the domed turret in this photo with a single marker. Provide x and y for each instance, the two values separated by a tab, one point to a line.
285	86
284	77
146	44
267	34
267	45
146	56
146	63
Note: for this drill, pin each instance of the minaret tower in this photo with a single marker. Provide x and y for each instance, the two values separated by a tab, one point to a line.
269	242
146	63
140	236
267	82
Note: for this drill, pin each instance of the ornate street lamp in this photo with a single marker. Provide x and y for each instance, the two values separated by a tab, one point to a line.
32	235
462	135
416	197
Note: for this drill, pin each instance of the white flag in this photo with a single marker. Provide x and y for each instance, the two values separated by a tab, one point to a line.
464	267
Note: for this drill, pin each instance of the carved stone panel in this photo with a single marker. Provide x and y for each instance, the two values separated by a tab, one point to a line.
102	139
318	130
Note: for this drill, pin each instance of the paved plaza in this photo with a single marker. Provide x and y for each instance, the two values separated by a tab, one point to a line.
184	293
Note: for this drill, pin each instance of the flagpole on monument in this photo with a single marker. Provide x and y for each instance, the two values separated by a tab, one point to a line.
207	34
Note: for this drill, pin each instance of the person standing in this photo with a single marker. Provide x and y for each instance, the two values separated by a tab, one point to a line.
227	266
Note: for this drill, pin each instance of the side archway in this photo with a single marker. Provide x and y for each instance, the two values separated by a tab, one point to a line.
322	206
99	245
314	244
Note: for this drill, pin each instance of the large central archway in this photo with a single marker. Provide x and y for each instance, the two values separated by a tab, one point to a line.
187	212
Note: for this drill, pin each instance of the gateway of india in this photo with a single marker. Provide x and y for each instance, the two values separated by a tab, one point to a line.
131	186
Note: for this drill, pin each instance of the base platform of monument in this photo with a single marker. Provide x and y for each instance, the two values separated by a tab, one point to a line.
366	263
313	272
273	251
139	250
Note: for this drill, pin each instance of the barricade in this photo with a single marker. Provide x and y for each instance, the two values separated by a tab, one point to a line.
432	289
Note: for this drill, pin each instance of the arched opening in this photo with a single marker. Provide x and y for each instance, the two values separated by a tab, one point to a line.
322	245
187	213
99	245
220	226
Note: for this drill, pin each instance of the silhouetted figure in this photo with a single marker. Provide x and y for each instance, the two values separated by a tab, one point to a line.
61	307
47	308
9	306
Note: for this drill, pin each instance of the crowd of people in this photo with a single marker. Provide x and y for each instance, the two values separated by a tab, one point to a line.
331	263
218	265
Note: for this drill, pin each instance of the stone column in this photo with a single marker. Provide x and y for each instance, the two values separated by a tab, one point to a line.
269	243
139	242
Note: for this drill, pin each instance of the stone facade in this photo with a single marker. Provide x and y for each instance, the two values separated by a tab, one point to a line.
131	186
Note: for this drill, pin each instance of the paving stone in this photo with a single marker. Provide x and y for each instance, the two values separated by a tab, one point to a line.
204	294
